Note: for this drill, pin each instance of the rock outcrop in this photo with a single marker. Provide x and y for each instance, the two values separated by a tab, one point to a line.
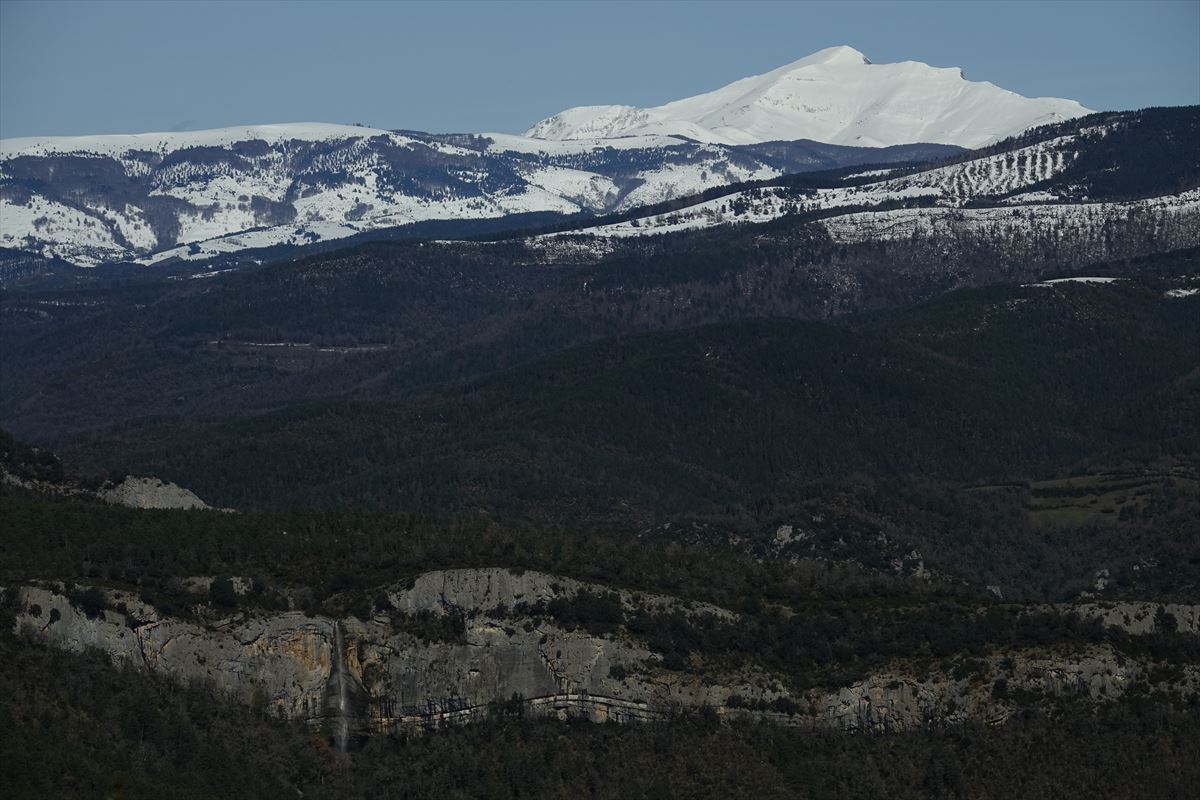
285	658
132	492
444	591
1140	618
358	676
150	493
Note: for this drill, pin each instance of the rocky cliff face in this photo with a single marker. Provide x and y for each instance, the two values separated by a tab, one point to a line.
133	492
150	493
466	590
285	657
362	676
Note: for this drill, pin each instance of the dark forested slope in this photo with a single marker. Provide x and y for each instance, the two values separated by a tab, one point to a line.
978	385
387	317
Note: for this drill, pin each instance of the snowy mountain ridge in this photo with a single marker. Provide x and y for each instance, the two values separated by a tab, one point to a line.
996	177
192	195
157	197
835	95
1077	182
163	143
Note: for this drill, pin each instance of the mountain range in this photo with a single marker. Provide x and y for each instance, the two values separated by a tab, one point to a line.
158	197
161	197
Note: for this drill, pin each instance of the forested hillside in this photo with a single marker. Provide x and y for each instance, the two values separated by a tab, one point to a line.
983	384
889	417
393	316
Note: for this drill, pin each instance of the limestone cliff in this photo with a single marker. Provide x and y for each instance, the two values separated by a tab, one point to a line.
387	678
150	493
133	492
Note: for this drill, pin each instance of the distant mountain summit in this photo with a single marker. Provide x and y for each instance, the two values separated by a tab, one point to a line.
835	95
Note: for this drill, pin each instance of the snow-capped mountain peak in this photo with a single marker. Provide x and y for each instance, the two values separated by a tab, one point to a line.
836	95
839	54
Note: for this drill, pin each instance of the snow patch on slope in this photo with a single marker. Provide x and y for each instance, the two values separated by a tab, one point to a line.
89	240
1080	279
906	223
584	189
508	143
954	185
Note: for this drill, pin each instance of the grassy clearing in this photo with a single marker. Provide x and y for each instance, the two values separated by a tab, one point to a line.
1088	498
1084	499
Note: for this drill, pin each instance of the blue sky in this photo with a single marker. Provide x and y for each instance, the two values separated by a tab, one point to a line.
98	67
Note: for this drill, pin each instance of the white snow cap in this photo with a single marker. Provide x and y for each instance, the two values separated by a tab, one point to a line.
835	95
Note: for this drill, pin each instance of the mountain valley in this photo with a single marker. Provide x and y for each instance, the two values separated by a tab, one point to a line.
839	422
